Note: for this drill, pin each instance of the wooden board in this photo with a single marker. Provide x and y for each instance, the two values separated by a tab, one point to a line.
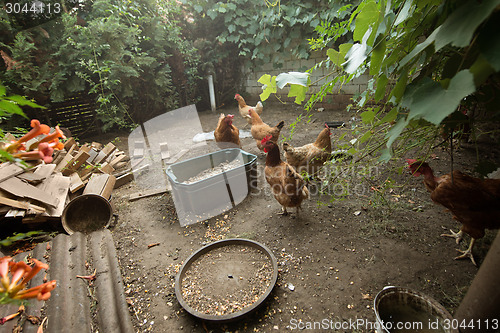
21	189
117	160
104	153
145	194
58	186
76	183
31	177
45	170
8	170
101	184
20	204
106	168
68	144
177	156
75	163
165	153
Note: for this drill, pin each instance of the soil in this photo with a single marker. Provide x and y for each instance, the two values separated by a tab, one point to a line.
333	258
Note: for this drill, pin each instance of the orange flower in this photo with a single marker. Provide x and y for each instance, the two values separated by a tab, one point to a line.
37	129
50	138
14	288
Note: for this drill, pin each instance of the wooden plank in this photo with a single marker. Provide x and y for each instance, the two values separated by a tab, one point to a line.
117	160
85	170
129	176
20	204
145	194
106	168
110	185
101	184
177	156
77	161
76	182
106	151
96	145
65	162
60	156
9	170
92	155
45	170
165	153
23	190
58	186
31	178
85	148
73	149
69	143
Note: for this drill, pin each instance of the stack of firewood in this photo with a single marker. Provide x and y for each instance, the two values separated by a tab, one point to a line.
39	193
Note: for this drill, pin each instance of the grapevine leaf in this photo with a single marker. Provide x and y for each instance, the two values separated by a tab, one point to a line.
269	86
297	91
430	101
368	15
299	78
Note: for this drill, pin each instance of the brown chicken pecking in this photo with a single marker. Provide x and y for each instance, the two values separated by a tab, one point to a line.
226	134
260	130
243	107
311	156
473	202
289	188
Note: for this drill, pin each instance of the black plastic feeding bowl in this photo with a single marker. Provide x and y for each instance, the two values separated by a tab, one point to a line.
225	271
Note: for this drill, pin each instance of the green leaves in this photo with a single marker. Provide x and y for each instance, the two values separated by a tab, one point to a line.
430	101
269	86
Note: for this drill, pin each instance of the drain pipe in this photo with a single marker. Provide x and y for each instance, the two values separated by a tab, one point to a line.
479	308
211	91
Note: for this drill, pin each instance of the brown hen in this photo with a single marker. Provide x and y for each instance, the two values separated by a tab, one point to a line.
473	202
289	188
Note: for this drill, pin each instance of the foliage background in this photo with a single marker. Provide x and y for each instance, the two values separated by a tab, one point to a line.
141	58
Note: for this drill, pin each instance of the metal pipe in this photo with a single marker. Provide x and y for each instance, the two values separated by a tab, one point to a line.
211	91
479	310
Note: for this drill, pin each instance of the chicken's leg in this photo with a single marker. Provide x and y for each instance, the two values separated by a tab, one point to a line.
284	212
468	252
456	235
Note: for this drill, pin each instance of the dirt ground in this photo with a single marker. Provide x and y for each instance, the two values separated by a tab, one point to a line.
337	254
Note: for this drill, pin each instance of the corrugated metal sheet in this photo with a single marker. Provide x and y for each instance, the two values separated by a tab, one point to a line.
74	305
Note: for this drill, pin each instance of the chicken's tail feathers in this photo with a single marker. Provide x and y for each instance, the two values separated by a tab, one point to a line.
287	148
340	154
280	125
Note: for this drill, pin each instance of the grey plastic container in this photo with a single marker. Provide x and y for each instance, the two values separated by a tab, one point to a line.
201	200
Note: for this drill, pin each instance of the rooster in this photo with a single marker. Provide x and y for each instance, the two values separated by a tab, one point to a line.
243	108
289	188
311	156
260	130
226	134
473	202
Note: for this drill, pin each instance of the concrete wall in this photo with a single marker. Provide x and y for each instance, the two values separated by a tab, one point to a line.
338	100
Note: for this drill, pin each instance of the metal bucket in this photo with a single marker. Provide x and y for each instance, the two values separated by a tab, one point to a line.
400	309
87	213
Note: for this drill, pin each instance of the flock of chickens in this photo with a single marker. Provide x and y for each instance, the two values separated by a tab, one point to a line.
287	185
472	201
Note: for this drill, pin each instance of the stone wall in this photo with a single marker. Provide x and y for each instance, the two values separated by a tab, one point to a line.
338	100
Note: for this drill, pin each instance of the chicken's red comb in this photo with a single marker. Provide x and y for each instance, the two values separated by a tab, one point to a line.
236	96
326	125
267	138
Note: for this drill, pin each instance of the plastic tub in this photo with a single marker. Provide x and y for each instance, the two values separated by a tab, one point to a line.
216	194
